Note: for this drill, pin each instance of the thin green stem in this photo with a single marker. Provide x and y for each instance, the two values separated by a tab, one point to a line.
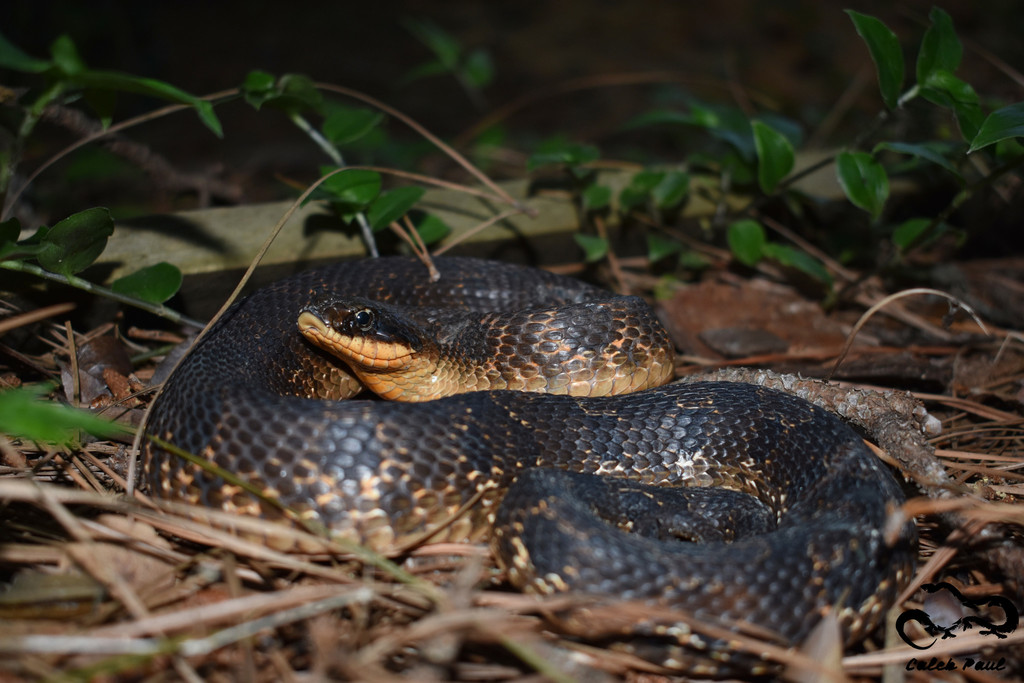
321	142
911	93
85	285
330	150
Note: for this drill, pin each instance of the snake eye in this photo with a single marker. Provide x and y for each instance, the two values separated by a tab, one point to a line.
363	319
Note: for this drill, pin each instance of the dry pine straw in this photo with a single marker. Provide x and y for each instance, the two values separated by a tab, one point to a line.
113	588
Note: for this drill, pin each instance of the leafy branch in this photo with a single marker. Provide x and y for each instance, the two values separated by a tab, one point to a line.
72	245
757	154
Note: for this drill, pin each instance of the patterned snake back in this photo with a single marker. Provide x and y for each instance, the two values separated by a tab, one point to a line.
732	502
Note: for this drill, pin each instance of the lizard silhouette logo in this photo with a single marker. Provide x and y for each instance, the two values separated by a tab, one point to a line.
968	622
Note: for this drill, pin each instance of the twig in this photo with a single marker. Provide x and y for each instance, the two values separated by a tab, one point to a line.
22	319
149	116
475	229
105	645
886	301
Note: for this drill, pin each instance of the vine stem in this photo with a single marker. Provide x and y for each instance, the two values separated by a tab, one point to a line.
334	154
92	288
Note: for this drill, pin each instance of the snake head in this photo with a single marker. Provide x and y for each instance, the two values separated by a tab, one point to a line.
368	335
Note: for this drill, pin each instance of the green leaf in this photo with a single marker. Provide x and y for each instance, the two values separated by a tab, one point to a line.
432	229
799	259
425	70
775	156
1009	150
907	232
291	93
885	51
257	87
736	166
671	189
667	189
10	250
102	102
940	48
646	181
493	136
156	283
114	80
747	241
24	415
206	114
356	187
594	248
630	198
1000	125
300	92
693	260
639	190
347	124
659	247
926	151
596	197
864	181
785	126
393	205
706	115
74	243
92	164
37	238
437	40
946	90
728	124
560	151
258	81
65	56
478	69
11	57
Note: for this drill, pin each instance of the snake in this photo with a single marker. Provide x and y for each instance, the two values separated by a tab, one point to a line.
549	426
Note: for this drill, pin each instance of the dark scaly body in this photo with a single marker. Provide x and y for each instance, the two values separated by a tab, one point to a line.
382	472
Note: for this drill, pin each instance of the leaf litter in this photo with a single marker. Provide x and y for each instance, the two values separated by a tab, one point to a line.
99	585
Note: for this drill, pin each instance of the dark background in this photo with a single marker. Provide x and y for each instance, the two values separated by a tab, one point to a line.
797	57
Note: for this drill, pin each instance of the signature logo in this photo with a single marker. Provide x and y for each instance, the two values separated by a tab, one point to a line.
969	622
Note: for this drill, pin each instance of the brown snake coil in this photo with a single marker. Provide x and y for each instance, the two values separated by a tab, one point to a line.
730	502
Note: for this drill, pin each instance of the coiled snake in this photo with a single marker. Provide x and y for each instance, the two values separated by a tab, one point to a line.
744	504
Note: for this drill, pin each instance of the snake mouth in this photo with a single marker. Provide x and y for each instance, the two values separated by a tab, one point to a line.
363	351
